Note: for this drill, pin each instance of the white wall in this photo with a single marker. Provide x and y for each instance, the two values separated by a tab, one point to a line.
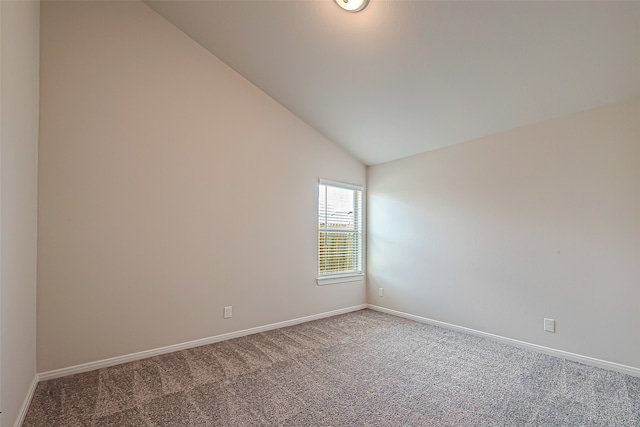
498	233
19	48
169	188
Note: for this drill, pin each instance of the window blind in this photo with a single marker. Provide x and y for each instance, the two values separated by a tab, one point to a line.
339	229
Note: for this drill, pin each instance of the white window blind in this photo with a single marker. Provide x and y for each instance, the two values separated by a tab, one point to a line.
339	229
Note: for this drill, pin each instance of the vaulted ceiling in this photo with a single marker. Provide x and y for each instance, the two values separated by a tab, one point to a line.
404	77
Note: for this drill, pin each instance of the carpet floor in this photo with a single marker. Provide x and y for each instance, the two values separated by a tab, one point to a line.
359	369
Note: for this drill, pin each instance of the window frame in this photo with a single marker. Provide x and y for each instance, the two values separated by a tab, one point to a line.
351	275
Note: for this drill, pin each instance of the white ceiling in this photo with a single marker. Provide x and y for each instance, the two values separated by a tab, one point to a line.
404	77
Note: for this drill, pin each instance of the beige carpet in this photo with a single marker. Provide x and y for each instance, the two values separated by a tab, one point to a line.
360	369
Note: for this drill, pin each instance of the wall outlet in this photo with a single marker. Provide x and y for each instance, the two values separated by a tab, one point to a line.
228	312
380	292
549	325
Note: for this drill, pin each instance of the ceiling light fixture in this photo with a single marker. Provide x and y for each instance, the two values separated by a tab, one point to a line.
352	5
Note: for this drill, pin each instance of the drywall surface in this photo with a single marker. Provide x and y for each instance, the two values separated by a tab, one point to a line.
19	38
500	232
170	187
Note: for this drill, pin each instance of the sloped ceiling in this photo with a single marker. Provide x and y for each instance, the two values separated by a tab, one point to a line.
405	77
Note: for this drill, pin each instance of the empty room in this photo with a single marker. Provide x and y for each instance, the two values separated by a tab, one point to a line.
319	213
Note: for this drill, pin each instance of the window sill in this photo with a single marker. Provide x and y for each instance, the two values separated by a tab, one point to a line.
331	280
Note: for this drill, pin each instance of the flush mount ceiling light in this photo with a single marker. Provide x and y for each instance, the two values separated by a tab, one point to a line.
352	5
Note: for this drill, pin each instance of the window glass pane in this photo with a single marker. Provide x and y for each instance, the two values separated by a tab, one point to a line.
340	208
339	230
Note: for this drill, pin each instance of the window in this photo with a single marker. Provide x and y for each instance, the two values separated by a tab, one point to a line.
339	229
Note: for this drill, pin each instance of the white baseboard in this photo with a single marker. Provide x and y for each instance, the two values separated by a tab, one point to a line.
86	367
27	401
612	366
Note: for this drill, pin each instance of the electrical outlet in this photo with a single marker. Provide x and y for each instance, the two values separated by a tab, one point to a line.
549	325
380	292
228	312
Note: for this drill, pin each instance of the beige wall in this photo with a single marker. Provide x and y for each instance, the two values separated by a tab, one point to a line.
19	48
498	233
169	188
